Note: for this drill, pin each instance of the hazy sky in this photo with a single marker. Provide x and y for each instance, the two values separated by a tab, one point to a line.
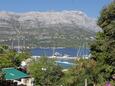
90	7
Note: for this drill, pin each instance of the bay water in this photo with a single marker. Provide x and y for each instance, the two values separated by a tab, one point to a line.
70	52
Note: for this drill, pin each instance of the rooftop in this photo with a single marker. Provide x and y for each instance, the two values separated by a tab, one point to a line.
13	74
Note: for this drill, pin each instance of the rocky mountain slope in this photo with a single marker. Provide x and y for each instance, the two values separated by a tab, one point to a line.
47	29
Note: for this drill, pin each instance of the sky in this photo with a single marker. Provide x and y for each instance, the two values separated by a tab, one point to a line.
91	7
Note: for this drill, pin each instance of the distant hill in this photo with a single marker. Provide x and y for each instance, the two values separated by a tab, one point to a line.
47	29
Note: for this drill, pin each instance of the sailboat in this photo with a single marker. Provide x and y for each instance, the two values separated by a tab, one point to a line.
82	51
53	53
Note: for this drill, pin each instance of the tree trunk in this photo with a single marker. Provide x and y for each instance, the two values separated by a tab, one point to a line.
94	84
85	82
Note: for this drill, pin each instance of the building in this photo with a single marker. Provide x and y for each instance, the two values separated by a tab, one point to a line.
17	76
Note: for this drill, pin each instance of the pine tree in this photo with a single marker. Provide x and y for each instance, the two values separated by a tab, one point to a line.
103	50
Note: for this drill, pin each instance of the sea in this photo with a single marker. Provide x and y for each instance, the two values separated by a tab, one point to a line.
69	52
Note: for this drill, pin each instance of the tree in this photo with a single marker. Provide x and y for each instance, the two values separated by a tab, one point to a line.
3	49
84	69
10	58
103	50
45	72
19	57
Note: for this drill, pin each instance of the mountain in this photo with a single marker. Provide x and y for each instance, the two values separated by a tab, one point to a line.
47	29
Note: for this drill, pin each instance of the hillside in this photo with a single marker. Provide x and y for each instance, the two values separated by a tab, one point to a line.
47	29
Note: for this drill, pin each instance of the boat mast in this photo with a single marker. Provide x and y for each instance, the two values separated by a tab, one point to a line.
79	48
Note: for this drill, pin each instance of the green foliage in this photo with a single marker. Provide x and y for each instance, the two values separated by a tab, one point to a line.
103	50
107	16
84	69
10	58
45	71
19	57
3	49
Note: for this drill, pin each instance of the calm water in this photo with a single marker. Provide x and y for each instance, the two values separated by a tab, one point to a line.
72	52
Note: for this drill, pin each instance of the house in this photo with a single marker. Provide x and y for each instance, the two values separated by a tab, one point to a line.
17	76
